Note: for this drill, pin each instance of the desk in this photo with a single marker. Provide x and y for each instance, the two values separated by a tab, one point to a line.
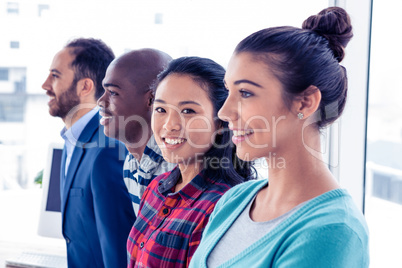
19	217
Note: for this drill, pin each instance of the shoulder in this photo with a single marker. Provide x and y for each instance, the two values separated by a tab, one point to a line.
325	245
107	156
332	216
335	207
104	148
158	180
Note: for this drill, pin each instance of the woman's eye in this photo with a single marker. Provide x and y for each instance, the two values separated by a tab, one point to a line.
188	111
55	76
159	110
245	94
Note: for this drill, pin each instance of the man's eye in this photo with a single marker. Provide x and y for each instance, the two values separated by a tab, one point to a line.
112	93
159	110
188	111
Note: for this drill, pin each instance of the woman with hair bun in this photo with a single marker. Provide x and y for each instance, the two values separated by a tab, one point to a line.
284	85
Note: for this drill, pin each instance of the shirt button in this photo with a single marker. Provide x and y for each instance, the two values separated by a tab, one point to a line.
165	211
68	240
142	245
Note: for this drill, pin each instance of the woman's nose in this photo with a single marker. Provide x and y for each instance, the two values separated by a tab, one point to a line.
173	121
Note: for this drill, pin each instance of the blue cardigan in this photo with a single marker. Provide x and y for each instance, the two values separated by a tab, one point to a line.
328	231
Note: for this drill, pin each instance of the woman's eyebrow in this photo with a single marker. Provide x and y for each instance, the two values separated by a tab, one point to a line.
180	103
188	102
159	100
242	81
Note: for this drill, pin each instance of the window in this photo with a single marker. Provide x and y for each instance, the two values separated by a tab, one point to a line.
12	94
13	8
158	18
42	10
14	44
383	193
12	107
4	74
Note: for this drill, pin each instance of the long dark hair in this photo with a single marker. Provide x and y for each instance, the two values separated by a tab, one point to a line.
220	161
309	56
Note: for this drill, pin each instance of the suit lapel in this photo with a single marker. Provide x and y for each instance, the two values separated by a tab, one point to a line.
78	153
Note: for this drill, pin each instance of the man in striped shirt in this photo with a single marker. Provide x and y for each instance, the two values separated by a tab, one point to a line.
139	174
126	109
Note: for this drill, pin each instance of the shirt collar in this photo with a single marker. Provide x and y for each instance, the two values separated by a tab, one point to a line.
151	157
72	134
190	192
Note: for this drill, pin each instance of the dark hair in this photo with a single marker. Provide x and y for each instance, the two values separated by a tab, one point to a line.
209	75
309	56
92	57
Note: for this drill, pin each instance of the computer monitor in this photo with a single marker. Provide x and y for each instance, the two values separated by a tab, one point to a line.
50	212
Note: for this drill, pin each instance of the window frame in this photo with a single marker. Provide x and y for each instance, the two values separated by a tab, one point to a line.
348	143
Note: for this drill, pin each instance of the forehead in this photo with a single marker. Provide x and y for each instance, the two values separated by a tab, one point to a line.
115	72
245	65
124	75
177	88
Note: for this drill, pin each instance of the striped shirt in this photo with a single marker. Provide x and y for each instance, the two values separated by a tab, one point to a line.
169	225
137	175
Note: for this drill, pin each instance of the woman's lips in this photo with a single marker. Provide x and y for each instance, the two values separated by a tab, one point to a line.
240	135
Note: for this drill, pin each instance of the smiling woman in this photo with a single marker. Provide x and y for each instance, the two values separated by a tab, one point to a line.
284	84
183	122
176	206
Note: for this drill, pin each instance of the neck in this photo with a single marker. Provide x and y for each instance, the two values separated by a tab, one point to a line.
302	176
137	152
70	121
135	145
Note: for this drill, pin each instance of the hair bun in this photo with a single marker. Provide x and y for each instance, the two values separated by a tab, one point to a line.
334	24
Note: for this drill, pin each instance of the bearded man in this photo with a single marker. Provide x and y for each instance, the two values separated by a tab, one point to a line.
97	214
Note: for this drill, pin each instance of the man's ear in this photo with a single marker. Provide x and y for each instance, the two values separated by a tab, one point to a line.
85	87
151	98
307	103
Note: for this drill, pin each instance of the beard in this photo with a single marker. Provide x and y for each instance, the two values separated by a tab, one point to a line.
65	102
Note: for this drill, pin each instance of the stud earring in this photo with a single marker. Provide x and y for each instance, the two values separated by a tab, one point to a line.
300	115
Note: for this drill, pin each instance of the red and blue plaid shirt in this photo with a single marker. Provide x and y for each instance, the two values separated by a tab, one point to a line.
169	225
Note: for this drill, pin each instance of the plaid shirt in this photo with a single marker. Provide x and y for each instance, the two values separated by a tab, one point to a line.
169	225
137	175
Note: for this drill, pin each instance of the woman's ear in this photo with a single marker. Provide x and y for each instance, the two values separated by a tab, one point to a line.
307	103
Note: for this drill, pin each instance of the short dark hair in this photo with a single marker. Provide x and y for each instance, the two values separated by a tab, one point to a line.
92	57
209	75
309	56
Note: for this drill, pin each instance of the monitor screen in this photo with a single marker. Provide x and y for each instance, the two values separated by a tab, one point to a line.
50	215
53	201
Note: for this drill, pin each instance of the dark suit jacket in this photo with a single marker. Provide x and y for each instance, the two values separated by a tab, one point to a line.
97	214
